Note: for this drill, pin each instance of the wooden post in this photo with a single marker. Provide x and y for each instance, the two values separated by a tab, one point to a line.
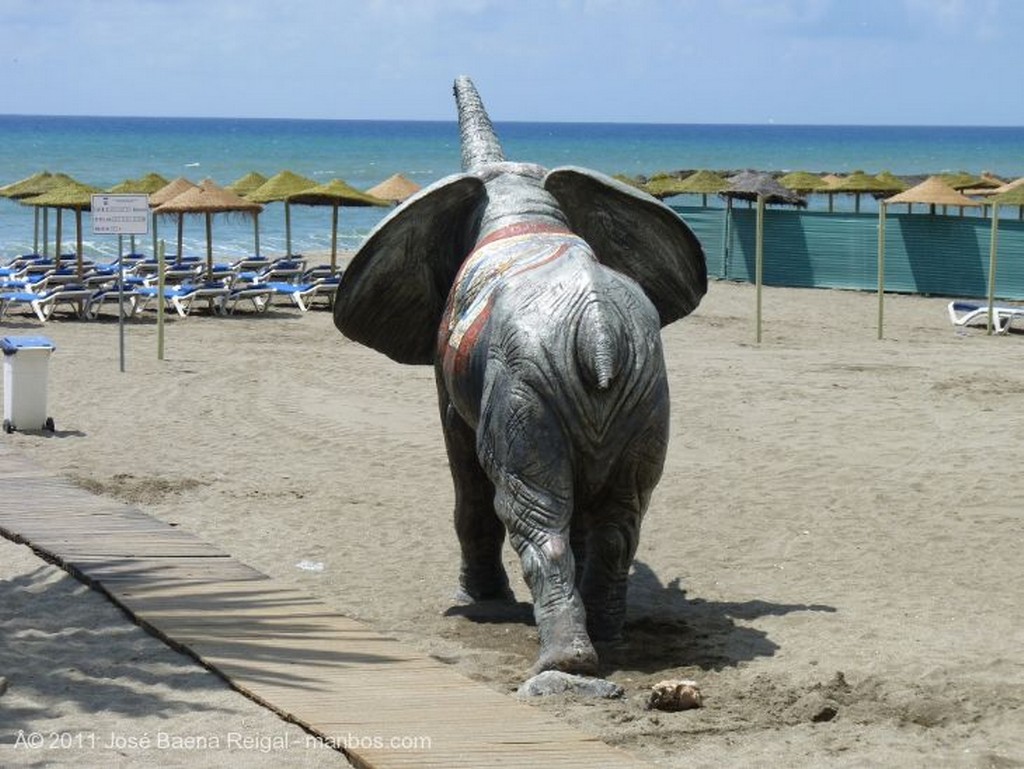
759	258
993	251
881	266
160	302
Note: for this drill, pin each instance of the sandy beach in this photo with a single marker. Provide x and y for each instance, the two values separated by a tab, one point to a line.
833	553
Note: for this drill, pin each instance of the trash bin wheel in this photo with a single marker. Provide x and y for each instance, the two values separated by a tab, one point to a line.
8	427
48	424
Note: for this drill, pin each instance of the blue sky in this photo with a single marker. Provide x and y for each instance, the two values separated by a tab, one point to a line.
930	62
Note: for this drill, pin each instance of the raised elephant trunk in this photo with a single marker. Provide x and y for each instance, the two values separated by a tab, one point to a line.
479	142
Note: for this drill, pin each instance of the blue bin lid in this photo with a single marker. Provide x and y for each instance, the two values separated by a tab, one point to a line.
11	344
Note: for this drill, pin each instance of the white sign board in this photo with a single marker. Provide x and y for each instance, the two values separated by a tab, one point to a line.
120	214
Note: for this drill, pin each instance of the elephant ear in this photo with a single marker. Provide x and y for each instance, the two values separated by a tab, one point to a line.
634	234
393	292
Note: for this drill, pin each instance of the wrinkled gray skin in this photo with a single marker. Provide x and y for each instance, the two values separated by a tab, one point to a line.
554	400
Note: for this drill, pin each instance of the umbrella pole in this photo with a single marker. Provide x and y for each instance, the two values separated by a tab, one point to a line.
78	242
46	231
993	251
155	241
181	232
287	229
160	301
56	255
256	233
209	246
881	266
759	257
35	230
334	240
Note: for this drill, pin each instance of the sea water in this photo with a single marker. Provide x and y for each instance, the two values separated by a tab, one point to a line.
103	151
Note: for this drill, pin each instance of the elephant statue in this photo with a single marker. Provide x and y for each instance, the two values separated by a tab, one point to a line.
538	296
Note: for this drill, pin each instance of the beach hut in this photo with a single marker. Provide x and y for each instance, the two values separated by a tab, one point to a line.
170	191
395	188
336	194
765	190
208	199
931	192
74	195
277	189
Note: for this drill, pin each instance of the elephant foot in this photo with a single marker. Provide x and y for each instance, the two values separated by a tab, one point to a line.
475	589
577	656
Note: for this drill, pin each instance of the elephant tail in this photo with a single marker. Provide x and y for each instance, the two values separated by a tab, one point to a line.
599	347
479	142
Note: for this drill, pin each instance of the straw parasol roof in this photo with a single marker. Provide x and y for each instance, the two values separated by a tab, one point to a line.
751	185
246	184
933	191
336	194
146	185
704	183
663	186
395	188
803	182
889	182
279	186
962	180
1012	195
207	199
33	185
170	190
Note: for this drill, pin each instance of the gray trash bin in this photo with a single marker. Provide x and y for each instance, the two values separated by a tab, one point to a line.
26	365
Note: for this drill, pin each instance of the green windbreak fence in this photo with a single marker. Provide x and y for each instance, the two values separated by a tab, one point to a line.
945	255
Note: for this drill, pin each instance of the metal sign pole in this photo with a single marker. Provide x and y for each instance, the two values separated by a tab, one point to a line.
120	215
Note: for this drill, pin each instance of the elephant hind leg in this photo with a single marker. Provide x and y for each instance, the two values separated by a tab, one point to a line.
548	567
611	544
482	575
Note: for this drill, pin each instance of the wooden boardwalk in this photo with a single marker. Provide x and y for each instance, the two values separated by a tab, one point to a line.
358	690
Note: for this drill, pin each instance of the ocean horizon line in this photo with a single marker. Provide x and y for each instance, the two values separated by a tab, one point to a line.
498	121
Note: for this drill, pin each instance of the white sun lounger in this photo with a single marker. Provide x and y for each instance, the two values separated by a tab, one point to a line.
966	313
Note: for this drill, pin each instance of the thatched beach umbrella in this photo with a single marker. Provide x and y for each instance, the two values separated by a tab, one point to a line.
1014	196
30	187
168	192
703	183
395	188
859	183
145	185
335	193
663	185
277	189
243	186
803	182
73	195
932	191
763	188
208	199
